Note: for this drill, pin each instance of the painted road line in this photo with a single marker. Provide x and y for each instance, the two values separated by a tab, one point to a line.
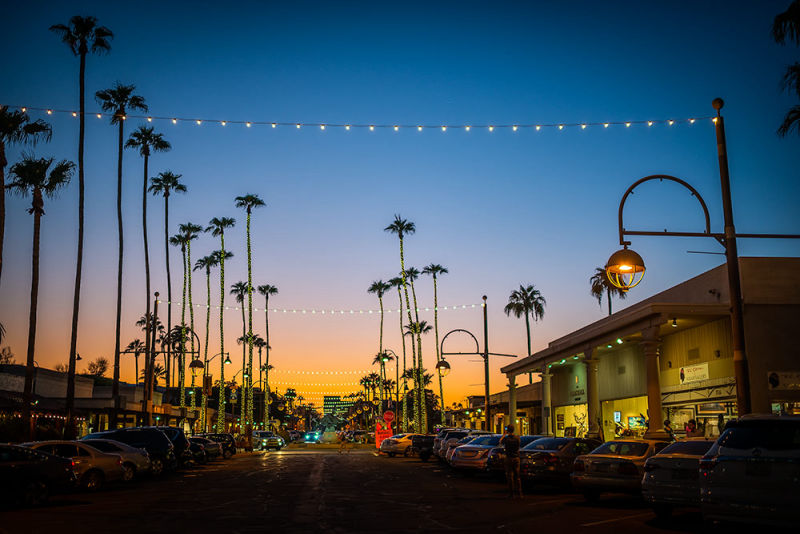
616	519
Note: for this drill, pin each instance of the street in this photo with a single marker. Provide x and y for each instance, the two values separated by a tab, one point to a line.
321	490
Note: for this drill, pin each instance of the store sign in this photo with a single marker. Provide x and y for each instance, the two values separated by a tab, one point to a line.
784	381
694	373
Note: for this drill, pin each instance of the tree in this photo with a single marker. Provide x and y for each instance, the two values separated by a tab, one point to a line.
239	292
118	100
379	288
402	227
82	35
15	128
398	283
248	202
786	26
206	263
7	357
98	367
190	233
165	184
411	275
136	347
217	227
61	368
179	240
436	270
36	178
600	284
157	372
267	291
526	301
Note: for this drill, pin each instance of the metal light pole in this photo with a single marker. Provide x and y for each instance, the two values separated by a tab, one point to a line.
487	408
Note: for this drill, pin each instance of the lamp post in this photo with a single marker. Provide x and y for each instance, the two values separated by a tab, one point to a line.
625	268
205	389
397	376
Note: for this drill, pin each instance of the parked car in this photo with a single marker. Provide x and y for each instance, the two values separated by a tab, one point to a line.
135	461
30	476
156	443
672	477
752	472
474	454
452	445
614	466
440	435
198	453
422	445
312	436
453	437
397	444
225	440
496	459
92	467
212	449
550	459
440	447
265	440
182	446
295	435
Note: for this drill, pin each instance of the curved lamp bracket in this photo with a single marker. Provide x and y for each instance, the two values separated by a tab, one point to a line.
691	189
477	346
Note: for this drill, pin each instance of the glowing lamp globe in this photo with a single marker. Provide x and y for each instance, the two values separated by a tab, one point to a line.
625	269
443	368
196	365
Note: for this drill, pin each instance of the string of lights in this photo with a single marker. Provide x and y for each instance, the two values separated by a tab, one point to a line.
319	311
304	384
514	127
292	371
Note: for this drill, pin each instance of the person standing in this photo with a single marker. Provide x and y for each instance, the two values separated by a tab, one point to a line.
511	443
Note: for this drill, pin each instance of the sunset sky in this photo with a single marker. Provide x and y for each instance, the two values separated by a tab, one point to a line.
496	208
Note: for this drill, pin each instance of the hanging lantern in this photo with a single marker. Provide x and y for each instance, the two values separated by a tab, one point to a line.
625	269
443	367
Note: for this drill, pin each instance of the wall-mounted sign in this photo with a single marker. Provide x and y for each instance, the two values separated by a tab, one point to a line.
617	417
694	373
783	381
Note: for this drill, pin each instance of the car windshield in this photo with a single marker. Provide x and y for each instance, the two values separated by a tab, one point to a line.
456	435
622	448
94	435
693	448
486	440
465	440
398	436
547	444
772	435
525	440
172	433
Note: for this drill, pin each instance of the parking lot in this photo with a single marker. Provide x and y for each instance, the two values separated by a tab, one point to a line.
320	489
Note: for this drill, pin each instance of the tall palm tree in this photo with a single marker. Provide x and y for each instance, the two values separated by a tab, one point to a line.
206	263
16	128
217	227
267	291
118	100
600	284
191	232
436	270
179	240
136	347
526	301
35	177
398	283
82	35
411	275
787	25
248	202
147	141
379	288
165	184
402	227
239	292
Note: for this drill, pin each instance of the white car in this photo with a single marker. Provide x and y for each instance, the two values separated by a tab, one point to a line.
752	472
672	477
397	444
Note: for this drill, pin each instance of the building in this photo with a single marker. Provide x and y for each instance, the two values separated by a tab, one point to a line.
669	357
334	405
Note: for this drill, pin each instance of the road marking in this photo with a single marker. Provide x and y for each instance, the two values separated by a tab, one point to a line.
617	519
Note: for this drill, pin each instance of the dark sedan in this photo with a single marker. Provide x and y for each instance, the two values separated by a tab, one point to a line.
30	477
551	459
496	461
211	449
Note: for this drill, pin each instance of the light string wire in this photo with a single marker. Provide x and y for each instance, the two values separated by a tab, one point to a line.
396	127
320	311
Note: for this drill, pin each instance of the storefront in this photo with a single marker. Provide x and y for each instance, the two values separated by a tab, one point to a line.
570	408
624	417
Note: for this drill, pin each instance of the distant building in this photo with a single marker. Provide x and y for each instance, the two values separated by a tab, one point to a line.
334	405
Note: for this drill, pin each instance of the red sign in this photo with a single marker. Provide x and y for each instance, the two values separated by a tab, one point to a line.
388	416
381	433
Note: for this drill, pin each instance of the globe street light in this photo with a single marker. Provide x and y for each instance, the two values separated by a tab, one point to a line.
443	368
625	268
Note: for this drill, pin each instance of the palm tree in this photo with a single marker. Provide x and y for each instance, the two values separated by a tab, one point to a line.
787	25
165	184
179	240
239	292
191	232
248	202
398	283
16	127
600	284
379	287
206	263
148	324
118	100
267	291
526	301
217	227
402	227
136	347
436	270
146	140
411	275
82	35
158	372
34	177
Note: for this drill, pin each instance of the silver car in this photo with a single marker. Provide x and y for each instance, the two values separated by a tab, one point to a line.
672	477
135	462
474	454
92	467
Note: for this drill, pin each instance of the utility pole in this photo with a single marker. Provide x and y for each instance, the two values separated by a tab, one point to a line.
486	366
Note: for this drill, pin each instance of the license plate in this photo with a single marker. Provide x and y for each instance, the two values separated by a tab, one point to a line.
757	469
684	474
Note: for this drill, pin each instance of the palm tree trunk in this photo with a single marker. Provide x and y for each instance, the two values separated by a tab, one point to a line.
410	320
436	332
169	288
203	415
380	351
249	420
149	348
76	297
528	331
3	163
405	380
182	359
221	389
29	368
420	398
608	295
118	324
193	402
136	357
266	363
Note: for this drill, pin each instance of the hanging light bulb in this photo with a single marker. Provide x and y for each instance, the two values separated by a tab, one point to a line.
321	126
199	122
605	125
627	125
24	110
583	126
174	121
419	128
298	125
74	114
444	128
514	127
467	128
248	124
347	127
99	116
560	126
691	121
491	128
538	127
649	123
670	122
49	111
371	128
149	119
223	123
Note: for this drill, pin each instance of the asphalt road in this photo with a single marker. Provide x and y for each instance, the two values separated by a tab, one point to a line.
323	491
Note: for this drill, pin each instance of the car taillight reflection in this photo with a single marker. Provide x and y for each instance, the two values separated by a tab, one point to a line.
707	464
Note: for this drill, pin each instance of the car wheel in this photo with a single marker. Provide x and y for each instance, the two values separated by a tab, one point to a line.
228	454
392	454
35	493
663	511
92	480
591	496
128	472
407	452
157	466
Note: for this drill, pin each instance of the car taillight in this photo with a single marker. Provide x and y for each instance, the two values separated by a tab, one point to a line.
119	460
707	464
627	468
549	459
578	466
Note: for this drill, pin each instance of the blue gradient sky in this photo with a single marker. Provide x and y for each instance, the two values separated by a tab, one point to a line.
497	209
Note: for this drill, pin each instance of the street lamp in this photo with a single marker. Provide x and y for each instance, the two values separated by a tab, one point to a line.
625	268
443	368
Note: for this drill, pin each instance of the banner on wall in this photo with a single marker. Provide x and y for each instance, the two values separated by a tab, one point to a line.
694	373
